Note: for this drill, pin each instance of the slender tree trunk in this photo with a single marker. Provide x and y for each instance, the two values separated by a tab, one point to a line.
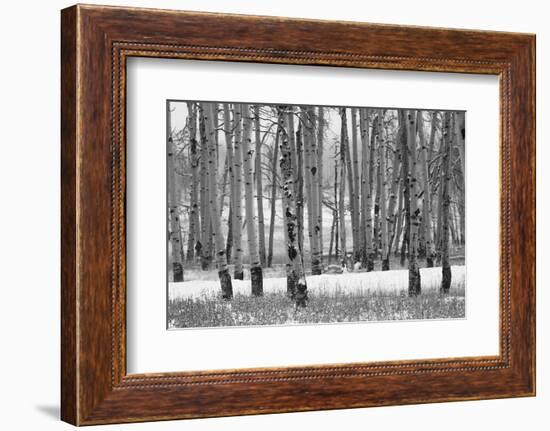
298	282
341	205
446	202
459	130
204	247
460	135
336	204
392	200
320	152
316	267
224	186
440	191
215	125
356	207
406	185
399	216
351	194
427	193
256	274
259	185
332	231
194	221
177	265
370	239
219	243
307	147
237	202
383	209
228	126
229	243
364	126
273	197
299	180
414	215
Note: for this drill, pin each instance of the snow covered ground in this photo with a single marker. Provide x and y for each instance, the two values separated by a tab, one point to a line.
389	282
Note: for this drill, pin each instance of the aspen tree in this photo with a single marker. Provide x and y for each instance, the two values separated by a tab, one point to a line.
237	201
406	185
320	154
219	243
299	180
316	267
380	137
427	193
341	205
194	221
259	184
175	239
365	185
273	197
414	214
297	279
446	202
256	275
228	126
204	246
370	240
356	207
351	191
308	157
392	200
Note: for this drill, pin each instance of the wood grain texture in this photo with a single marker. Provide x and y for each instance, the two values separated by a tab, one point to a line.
96	41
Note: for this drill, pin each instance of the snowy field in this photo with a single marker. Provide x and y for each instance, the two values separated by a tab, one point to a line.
376	282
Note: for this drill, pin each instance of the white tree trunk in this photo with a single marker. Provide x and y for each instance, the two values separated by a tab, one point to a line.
248	170
414	216
426	197
177	266
210	110
297	280
237	201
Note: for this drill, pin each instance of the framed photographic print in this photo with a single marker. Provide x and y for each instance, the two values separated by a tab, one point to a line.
265	215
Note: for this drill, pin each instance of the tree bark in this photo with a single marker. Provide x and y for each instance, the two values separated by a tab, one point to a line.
351	190
446	202
392	201
427	193
341	204
316	267
307	148
356	207
273	197
217	235
259	184
297	282
256	274
194	221
204	247
177	265
414	215
228	126
406	185
365	185
370	239
320	153
382	181
299	180
237	201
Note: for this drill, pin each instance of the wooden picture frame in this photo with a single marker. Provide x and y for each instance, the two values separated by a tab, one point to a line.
95	43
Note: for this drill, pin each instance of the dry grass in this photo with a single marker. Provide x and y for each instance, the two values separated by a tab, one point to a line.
338	306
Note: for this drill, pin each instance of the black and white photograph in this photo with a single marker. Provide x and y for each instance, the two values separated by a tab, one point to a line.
299	214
